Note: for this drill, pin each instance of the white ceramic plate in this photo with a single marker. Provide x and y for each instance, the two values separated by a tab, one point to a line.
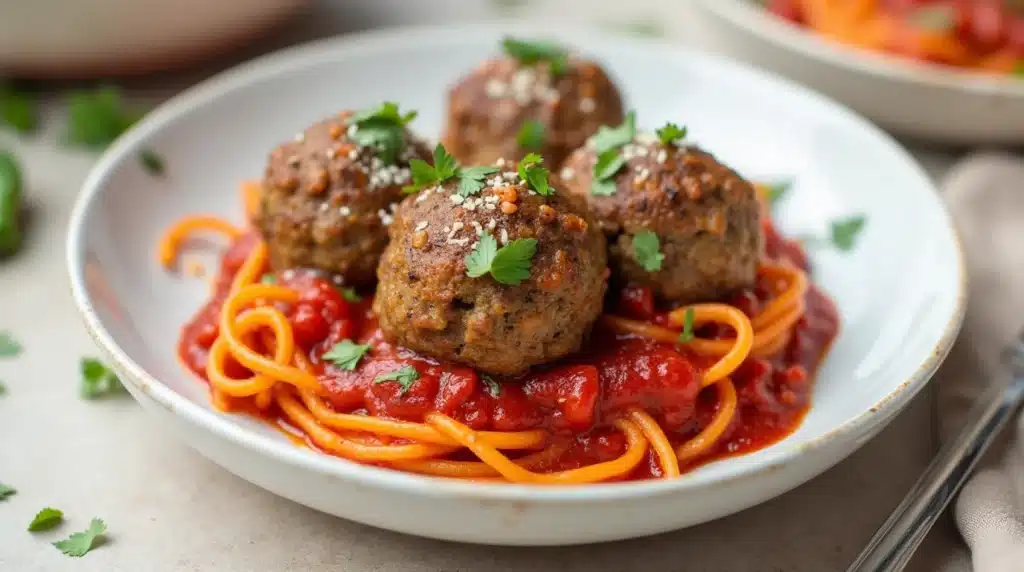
900	292
909	98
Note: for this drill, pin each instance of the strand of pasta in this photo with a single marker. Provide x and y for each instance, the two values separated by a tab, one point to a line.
171	241
714	430
659	442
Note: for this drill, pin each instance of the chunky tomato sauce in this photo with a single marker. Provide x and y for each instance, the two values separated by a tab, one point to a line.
574	398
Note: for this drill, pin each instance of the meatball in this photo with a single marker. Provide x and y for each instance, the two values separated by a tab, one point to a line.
427	301
327	199
506	108
705	216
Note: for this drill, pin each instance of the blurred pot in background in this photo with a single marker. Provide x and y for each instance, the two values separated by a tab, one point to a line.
81	38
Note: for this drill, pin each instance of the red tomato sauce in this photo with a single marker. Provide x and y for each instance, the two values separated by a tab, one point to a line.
575	398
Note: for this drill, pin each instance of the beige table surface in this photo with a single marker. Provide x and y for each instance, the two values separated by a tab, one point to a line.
168	508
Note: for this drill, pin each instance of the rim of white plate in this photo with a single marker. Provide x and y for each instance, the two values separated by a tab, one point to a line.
282	451
756	20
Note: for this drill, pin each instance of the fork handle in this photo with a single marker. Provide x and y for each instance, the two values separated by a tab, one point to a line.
892	546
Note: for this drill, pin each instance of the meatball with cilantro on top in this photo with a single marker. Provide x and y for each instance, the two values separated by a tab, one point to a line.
535	99
491	267
329	194
676	219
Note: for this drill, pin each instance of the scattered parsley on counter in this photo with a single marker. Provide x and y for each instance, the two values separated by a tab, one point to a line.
531	135
492	387
18	109
647	249
98	380
9	347
80	543
97	117
151	162
509	264
346	354
844	231
531	52
671	134
687	333
382	128
6	491
535	176
45	520
404	377
350	295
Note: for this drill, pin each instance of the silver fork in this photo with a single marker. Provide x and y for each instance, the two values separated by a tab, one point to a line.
894	543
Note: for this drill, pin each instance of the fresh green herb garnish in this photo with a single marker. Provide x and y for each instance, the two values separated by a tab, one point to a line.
531	52
844	231
80	543
531	135
404	377
509	264
471	179
492	387
646	249
98	380
382	128
608	138
346	354
536	176
45	520
775	191
671	133
268	278
934	18
608	164
687	333
6	491
18	109
97	117
9	347
350	295
151	162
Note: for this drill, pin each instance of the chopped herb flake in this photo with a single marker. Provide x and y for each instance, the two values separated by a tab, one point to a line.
268	278
608	138
424	174
151	162
80	543
98	380
6	491
95	118
531	135
9	347
844	231
646	249
18	109
382	128
350	295
492	387
346	354
671	134
536	176
531	52
404	377
687	333
45	520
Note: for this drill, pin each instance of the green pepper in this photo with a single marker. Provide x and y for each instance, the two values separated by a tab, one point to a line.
10	204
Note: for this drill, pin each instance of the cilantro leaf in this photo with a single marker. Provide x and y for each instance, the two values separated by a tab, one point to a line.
608	138
605	168
346	354
531	135
603	188
687	333
80	543
98	380
536	177
531	52
382	128
6	491
350	295
775	191
492	387
45	519
511	264
151	162
844	231
671	133
471	179
95	118
479	261
9	347
18	109
646	248
404	377
424	175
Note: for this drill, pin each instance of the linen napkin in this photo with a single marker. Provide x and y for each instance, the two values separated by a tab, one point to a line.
985	194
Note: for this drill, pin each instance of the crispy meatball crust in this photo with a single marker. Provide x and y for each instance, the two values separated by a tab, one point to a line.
487	108
706	216
327	201
425	300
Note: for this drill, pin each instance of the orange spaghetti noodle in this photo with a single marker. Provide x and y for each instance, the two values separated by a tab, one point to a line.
253	331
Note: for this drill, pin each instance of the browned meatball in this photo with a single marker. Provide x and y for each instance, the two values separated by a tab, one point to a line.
706	218
327	200
427	301
488	108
